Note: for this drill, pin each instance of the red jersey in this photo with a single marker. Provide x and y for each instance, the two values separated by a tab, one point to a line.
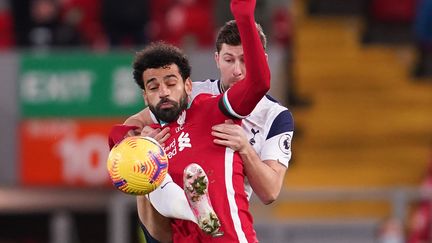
191	142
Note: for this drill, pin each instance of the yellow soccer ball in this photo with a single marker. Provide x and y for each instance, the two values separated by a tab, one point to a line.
137	165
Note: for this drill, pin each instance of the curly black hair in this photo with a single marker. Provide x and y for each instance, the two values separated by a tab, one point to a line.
157	55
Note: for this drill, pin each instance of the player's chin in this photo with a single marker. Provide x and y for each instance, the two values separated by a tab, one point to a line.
168	115
234	81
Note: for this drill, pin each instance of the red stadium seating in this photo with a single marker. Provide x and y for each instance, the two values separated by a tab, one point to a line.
6	30
393	10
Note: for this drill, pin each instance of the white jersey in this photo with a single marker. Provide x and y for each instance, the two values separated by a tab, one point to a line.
269	127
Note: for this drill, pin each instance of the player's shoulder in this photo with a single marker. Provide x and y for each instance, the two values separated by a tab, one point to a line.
211	86
271	114
205	81
207	85
269	107
204	98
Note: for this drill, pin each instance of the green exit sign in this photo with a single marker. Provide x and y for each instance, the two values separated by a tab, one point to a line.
78	85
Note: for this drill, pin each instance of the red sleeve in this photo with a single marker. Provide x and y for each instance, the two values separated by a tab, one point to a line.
242	98
118	133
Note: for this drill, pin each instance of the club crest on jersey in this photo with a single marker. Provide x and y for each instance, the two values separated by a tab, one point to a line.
181	119
252	140
285	143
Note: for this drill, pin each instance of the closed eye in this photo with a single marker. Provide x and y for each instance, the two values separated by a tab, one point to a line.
152	86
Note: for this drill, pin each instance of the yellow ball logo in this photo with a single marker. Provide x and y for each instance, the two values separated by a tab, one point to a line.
137	165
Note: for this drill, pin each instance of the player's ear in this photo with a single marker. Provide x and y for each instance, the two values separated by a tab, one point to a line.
216	57
188	86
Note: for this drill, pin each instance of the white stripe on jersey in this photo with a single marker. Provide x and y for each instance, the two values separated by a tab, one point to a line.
257	126
229	108
229	154
212	87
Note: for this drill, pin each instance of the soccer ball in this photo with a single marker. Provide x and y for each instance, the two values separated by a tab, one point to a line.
137	165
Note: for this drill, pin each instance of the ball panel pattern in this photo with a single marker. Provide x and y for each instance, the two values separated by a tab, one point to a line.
137	165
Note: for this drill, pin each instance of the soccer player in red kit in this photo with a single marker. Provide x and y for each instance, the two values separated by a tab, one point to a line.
167	85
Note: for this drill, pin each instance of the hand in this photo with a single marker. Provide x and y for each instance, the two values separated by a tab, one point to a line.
243	7
230	135
160	135
134	132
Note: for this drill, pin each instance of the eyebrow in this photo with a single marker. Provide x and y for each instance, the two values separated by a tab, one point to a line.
169	76
231	54
165	78
149	81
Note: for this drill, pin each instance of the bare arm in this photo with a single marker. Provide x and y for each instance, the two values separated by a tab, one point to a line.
265	177
142	120
131	127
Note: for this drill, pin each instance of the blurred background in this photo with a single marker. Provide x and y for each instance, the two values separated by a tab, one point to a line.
356	74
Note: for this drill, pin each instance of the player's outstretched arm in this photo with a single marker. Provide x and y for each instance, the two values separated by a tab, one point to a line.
139	120
265	177
242	98
138	124
131	127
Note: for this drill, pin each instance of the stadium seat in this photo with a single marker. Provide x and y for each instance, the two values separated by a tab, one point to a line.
389	21
6	30
393	11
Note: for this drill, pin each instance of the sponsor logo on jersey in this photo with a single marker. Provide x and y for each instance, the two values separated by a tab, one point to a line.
171	149
182	142
164	185
285	143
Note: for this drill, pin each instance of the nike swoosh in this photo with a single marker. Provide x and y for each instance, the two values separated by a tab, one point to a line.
162	187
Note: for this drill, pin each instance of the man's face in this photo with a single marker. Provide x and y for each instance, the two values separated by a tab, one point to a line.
230	63
165	92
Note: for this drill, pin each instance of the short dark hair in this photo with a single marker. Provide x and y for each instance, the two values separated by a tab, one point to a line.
229	34
157	55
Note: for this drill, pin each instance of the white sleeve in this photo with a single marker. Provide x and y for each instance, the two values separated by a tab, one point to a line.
278	148
277	145
208	86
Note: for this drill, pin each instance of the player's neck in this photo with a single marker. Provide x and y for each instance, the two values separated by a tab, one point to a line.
222	87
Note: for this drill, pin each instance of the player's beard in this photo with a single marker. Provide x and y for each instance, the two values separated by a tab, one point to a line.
170	114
